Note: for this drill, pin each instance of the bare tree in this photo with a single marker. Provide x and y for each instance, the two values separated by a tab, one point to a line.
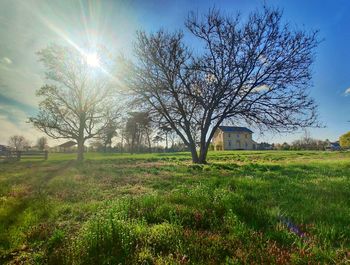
79	101
254	71
18	142
42	143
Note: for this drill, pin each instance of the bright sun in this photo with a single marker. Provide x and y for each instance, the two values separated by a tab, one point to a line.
92	60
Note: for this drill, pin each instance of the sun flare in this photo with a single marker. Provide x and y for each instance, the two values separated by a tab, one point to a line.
92	60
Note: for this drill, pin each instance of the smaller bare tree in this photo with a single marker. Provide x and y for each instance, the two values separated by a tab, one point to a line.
79	101
18	142
42	143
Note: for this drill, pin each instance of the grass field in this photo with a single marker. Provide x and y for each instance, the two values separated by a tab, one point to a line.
242	208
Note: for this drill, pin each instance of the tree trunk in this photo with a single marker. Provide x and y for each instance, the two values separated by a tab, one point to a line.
203	151
81	140
80	155
194	154
166	141
132	144
149	143
122	145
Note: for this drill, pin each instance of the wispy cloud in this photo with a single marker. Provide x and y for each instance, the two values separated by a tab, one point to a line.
347	92
8	128
17	81
6	60
262	88
7	101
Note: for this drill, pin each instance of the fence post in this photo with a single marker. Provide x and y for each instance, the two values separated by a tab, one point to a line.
46	154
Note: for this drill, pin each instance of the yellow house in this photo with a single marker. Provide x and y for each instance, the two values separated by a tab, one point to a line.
233	138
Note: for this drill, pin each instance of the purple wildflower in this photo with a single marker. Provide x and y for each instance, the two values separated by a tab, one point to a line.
292	227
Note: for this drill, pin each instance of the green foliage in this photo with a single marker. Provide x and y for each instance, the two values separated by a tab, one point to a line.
344	140
56	239
241	208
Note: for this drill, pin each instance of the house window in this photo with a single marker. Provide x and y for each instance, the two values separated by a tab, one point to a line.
229	135
246	136
229	143
246	145
237	135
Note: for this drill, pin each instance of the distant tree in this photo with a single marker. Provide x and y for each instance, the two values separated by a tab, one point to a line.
79	100
344	140
97	145
179	147
157	139
165	130
264	146
306	142
285	146
42	143
138	130
255	71
277	146
108	133
18	142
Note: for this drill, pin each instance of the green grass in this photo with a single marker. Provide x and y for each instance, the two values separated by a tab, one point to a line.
273	207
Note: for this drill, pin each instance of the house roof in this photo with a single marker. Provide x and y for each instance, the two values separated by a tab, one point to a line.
67	144
335	144
234	129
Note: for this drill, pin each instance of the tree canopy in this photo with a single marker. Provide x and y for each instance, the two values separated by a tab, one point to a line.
18	142
138	130
42	143
255	71
344	140
79	101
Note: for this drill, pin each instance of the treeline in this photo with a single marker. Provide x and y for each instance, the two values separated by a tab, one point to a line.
312	144
20	143
138	133
306	143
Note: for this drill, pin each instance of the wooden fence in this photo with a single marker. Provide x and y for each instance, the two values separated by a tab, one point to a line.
18	155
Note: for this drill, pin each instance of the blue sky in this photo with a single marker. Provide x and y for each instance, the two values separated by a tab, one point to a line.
28	26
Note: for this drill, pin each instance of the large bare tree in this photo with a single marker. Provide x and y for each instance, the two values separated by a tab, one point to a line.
79	101
255	71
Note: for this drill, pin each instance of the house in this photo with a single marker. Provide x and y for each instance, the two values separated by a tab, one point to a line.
335	146
233	138
67	147
4	148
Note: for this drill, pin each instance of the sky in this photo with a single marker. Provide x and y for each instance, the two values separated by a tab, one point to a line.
29	26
